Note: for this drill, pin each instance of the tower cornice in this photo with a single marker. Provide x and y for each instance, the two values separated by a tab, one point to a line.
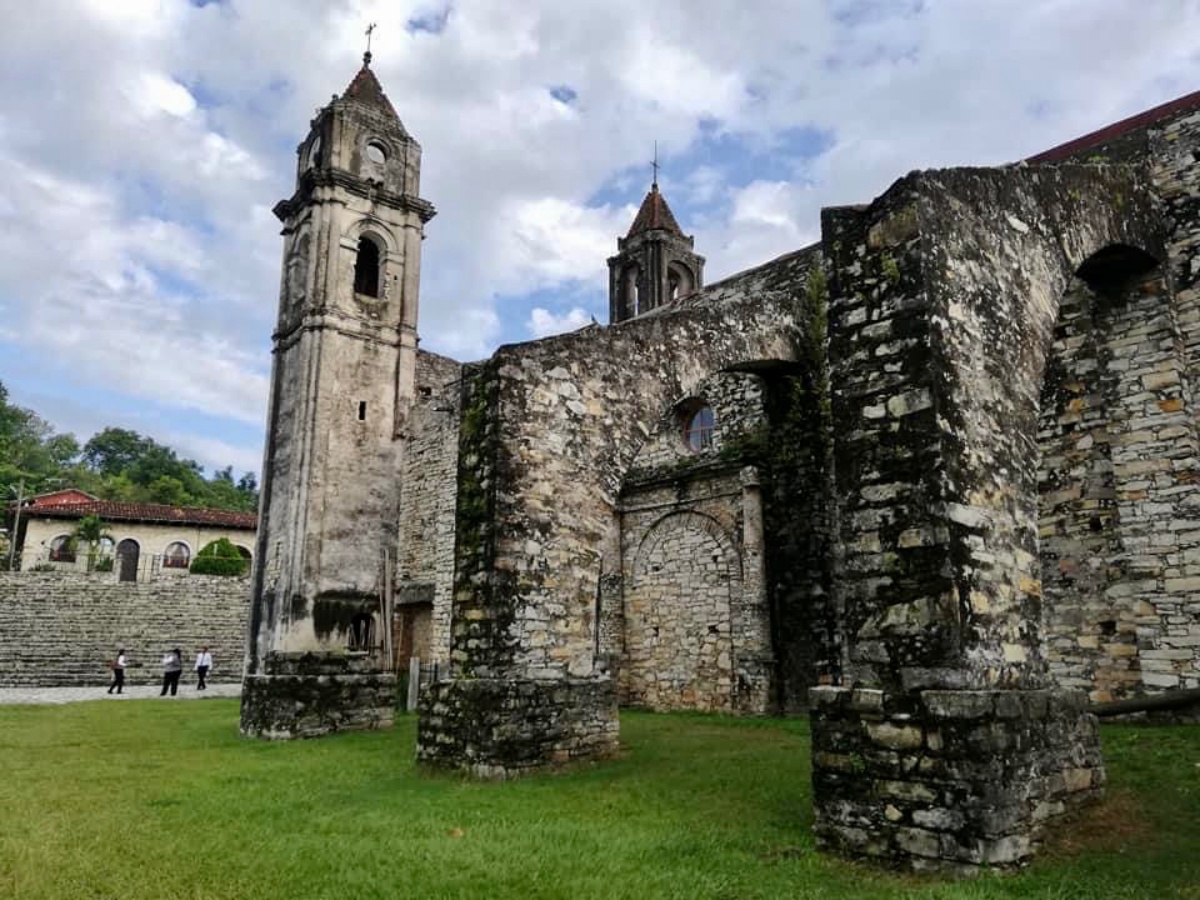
360	187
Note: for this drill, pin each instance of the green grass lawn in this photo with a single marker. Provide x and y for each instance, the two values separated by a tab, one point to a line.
149	799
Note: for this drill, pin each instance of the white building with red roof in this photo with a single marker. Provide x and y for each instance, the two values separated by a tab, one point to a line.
145	539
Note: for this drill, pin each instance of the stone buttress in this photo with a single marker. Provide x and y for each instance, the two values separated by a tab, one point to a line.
946	745
319	649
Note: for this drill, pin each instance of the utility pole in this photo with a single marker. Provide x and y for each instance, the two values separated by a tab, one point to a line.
12	538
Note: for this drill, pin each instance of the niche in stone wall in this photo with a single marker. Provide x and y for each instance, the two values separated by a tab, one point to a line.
1109	400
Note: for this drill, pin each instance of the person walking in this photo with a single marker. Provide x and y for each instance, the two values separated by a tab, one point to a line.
118	670
172	668
203	664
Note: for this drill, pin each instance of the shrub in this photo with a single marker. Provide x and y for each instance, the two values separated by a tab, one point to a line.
103	564
219	557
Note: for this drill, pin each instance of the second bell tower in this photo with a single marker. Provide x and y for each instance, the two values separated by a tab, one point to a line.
342	383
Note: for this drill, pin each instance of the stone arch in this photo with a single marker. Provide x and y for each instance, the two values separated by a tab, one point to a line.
177	554
368	267
296	269
62	548
372	249
377	231
680	280
631	290
679	616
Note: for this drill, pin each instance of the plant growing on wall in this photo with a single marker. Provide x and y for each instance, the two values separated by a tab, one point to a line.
219	557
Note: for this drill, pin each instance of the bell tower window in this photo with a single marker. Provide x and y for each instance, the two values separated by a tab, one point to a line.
366	268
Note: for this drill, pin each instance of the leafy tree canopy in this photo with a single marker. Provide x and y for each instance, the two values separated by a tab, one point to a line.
115	464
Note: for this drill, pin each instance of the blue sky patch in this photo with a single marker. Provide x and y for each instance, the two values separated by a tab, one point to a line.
433	22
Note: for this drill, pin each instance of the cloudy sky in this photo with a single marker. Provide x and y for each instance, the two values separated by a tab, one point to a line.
144	142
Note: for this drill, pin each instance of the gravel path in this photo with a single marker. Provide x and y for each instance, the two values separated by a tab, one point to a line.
14	696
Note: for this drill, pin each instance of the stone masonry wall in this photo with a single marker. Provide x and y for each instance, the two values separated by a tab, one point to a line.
1123	617
304	695
60	630
949	780
1174	151
682	585
692	615
953	279
428	491
549	430
798	518
500	728
936	458
1119	533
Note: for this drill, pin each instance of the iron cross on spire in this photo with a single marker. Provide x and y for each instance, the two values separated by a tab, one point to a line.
367	55
654	164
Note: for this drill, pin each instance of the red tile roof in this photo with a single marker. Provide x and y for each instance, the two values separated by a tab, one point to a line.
365	88
1186	103
115	511
654	214
59	498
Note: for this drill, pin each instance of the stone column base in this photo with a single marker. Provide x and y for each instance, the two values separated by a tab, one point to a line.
500	728
303	695
949	781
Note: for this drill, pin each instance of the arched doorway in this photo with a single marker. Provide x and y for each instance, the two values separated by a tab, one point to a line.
128	552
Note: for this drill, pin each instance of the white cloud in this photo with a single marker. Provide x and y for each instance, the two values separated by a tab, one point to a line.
549	240
140	168
543	323
155	93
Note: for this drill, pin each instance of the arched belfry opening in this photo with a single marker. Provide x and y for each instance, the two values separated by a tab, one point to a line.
680	282
366	267
655	262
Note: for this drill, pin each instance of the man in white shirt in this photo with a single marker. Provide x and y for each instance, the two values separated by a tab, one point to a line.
203	664
118	671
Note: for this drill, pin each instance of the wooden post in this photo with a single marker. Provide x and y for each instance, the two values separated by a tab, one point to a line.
414	683
388	623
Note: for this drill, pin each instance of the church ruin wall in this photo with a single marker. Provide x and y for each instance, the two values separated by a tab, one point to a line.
428	491
956	751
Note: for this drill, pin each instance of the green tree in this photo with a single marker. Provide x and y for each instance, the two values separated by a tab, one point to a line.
30	451
92	532
115	450
166	489
115	464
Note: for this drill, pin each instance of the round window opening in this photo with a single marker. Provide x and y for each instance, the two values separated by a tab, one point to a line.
698	432
376	153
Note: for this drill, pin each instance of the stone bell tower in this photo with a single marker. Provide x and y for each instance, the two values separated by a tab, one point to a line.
655	262
342	382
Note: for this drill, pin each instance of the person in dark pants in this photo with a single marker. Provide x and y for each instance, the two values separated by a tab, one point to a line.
172	668
203	664
118	670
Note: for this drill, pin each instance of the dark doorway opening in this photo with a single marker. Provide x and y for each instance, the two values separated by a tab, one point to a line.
127	559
